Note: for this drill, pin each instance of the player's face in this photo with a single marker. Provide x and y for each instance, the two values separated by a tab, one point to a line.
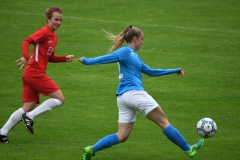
138	41
55	22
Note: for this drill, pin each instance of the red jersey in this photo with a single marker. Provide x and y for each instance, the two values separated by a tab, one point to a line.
45	42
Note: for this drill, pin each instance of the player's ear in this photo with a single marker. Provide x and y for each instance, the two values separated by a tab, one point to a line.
47	19
135	38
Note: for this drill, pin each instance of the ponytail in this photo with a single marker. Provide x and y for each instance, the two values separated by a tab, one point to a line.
126	35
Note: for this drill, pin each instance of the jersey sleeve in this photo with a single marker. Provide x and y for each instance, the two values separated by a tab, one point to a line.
108	58
55	59
157	72
25	47
119	55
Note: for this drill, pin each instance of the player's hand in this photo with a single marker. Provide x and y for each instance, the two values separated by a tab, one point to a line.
79	60
21	62
69	58
181	73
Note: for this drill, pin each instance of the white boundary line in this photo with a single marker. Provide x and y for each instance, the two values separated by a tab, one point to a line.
144	24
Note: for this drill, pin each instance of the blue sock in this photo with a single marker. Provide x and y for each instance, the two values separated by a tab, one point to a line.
106	142
174	136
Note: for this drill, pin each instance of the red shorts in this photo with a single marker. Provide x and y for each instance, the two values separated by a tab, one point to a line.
33	86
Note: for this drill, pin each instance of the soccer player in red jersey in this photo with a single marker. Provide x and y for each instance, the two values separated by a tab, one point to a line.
34	78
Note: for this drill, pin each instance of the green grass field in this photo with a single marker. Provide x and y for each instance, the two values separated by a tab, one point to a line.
202	37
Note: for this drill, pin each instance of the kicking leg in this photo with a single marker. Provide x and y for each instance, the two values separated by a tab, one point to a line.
158	116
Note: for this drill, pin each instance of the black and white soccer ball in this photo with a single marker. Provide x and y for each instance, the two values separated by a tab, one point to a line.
206	127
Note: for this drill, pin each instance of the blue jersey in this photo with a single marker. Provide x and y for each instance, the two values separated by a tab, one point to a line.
130	68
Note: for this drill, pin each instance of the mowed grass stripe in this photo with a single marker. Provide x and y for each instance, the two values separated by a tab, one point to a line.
135	23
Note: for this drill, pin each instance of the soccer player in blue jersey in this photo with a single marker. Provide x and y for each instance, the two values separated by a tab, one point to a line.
131	97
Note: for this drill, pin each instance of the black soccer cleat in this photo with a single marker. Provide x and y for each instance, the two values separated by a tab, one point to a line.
28	123
4	139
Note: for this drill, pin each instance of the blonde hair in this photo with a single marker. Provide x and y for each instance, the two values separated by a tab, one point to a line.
49	11
126	35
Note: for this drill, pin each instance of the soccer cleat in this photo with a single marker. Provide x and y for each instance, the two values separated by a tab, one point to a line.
4	139
194	148
28	123
87	153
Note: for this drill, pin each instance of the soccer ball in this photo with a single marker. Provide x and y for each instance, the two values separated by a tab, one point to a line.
206	127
